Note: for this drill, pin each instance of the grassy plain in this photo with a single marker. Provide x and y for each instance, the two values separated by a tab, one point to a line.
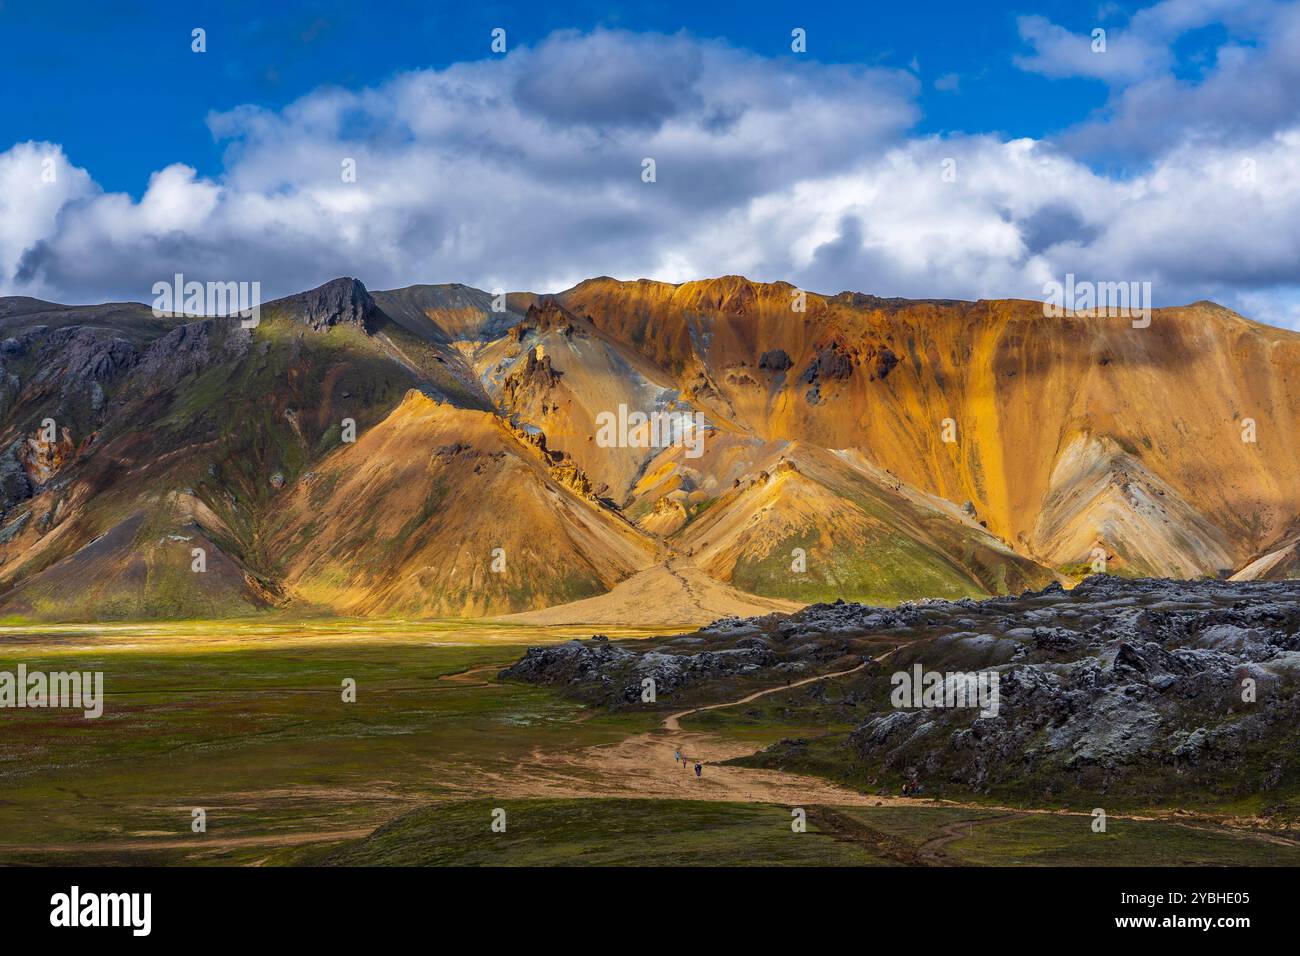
246	720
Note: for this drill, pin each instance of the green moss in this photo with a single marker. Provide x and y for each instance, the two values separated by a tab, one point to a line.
1038	840
196	727
893	569
600	832
433	500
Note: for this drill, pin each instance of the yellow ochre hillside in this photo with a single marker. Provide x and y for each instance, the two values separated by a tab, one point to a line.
632	451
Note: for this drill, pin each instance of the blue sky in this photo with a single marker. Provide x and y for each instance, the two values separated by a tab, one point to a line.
78	65
522	170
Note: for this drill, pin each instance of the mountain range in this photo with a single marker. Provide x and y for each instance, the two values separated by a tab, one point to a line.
436	451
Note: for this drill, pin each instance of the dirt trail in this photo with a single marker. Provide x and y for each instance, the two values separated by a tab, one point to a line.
842	827
473	676
931	852
644	766
672	721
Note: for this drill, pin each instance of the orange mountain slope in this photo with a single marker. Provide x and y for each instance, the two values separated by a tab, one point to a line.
445	510
438	450
1015	393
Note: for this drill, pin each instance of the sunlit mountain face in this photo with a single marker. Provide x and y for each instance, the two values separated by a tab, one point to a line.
378	454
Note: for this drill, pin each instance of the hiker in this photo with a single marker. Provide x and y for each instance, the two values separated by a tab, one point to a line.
677	755
699	770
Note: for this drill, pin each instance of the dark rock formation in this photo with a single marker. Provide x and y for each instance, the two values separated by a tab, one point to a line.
1130	687
188	349
832	363
611	674
885	362
337	302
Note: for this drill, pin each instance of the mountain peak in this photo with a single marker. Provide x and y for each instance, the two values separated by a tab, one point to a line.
342	301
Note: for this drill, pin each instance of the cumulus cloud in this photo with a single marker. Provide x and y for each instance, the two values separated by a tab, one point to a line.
1115	55
1201	224
1246	90
36	184
525	172
519	172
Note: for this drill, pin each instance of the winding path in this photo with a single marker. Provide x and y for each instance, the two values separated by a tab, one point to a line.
644	766
672	722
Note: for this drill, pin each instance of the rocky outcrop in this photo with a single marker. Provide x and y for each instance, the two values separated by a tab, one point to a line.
774	360
30	463
1120	686
667	516
832	363
1125	686
15	484
612	675
78	364
10	387
188	349
43	457
885	360
567	473
560	466
545	315
534	378
338	302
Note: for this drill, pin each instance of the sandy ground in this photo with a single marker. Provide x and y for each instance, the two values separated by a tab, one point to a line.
675	593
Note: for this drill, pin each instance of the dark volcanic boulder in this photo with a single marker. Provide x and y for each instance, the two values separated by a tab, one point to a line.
776	360
608	673
832	363
885	362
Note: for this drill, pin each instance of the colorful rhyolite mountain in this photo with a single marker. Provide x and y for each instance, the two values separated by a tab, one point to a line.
436	451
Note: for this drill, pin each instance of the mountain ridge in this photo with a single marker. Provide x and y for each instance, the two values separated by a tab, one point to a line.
981	437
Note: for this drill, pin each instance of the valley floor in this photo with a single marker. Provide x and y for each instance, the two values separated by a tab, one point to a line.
247	723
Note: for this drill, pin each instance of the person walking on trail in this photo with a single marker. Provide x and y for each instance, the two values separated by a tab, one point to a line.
677	755
699	770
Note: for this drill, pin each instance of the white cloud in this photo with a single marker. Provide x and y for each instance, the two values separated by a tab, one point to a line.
1246	89
524	172
36	183
1114	55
